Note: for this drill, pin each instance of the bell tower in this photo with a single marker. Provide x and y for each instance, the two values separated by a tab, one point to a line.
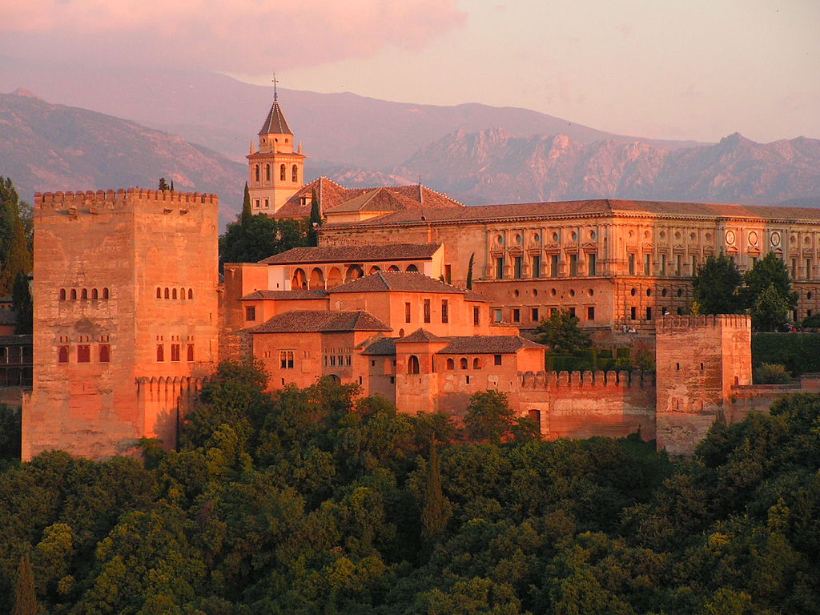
275	169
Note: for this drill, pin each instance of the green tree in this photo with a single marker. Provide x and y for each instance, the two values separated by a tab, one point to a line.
15	236
436	510
769	310
246	205
562	334
22	303
716	286
315	220
768	271
10	427
470	271
163	184
251	240
489	416
25	597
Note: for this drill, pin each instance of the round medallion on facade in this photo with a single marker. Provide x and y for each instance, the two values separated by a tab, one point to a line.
730	237
753	238
775	238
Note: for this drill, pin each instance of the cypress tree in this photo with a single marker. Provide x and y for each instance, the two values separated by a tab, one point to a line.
18	258
436	510
23	305
246	204
470	272
25	598
315	220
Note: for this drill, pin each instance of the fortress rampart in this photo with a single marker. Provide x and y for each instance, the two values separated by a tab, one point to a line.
114	198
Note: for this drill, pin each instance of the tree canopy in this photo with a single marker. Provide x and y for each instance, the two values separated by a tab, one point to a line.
15	236
560	331
716	286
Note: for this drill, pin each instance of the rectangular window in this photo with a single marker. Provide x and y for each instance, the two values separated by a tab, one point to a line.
267	204
571	311
174	352
631	264
554	311
516	315
286	359
534	314
694	264
647	264
633	312
105	353
678	264
663	264
590	313
256	203
592	263
445	312
649	313
426	310
448	273
83	353
554	266
407	312
62	354
250	313
497	359
536	266
497	315
573	265
808	269
519	267
499	268
476	316
794	268
190	352
160	353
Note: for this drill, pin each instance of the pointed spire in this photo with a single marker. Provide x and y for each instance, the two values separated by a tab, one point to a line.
275	122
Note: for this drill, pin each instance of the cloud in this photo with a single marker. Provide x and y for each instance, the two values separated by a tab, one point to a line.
237	35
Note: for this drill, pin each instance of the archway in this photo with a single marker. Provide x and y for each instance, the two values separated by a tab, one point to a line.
317	278
354	272
412	268
299	279
334	277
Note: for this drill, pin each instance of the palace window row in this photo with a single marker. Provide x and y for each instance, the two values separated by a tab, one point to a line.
175	352
171	293
535	270
337	360
84	294
84	353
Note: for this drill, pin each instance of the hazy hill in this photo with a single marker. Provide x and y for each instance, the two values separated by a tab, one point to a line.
495	166
45	147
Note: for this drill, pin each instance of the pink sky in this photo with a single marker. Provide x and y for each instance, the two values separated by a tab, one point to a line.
696	69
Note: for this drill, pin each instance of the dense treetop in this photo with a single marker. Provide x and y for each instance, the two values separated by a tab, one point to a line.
320	501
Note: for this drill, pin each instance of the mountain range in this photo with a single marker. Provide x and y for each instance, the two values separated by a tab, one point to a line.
129	127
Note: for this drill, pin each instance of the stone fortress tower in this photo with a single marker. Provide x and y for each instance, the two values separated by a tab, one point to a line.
126	325
275	171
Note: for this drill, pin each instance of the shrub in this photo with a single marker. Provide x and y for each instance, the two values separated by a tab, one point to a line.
799	352
812	322
772	373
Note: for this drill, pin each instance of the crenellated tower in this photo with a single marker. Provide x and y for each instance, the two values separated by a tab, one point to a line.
276	168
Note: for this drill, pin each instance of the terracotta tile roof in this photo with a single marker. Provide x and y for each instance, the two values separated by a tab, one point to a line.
275	122
321	321
420	335
488	344
333	195
471	295
400	281
381	347
284	295
376	200
354	254
482	213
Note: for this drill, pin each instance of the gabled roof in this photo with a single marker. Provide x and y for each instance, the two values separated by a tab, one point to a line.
354	254
285	295
400	281
376	200
383	346
488	344
321	321
420	335
275	122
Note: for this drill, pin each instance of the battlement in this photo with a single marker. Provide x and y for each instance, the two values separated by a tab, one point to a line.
555	381
110	199
672	324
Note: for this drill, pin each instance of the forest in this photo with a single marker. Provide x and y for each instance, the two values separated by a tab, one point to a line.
320	500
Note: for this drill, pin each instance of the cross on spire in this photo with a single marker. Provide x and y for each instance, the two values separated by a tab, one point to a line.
275	82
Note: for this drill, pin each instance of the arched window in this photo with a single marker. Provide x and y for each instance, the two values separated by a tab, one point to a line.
94	294
463	363
84	295
267	172
256	172
62	294
476	363
160	352
294	174
451	364
167	293
62	354
73	294
174	293
282	172
190	294
411	268
190	352
393	268
159	293
413	365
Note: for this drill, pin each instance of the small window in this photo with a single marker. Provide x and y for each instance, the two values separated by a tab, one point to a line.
427	310
282	173
463	363
476	363
62	354
498	315
105	353
407	312
256	172
84	295
190	294
445	316
294	174
73	294
571	312
499	268
190	352
413	366
534	314
267	172
476	316
451	364
286	359
518	267
633	313
467	379
62	294
94	294
649	313
677	367
631	264
516	315
160	353
174	293
83	353
250	313
167	293
174	352
590	313
159	293
497	359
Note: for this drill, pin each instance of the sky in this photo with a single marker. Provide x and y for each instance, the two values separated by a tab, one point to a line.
678	69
